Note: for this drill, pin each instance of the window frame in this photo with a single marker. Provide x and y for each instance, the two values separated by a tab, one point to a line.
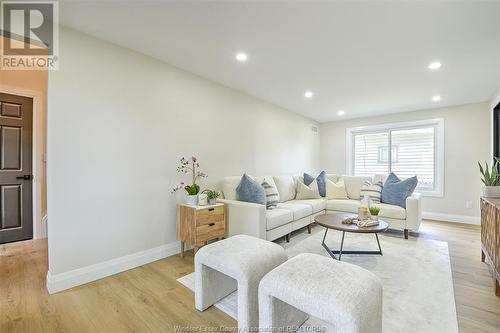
438	125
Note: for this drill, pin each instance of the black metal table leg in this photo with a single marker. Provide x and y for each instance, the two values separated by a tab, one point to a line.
341	245
378	243
326	247
342	251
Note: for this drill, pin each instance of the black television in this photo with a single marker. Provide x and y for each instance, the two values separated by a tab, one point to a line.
496	131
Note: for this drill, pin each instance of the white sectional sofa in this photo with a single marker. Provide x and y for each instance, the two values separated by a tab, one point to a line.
292	214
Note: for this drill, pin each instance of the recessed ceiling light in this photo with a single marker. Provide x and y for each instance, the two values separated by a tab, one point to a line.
242	57
436	98
434	65
308	94
341	112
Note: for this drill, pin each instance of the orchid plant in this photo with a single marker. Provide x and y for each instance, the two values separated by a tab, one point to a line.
189	166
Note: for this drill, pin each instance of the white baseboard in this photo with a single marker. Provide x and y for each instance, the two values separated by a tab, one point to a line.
40	229
66	280
467	219
43	227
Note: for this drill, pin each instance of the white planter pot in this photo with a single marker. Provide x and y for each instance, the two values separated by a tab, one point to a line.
192	200
202	199
491	191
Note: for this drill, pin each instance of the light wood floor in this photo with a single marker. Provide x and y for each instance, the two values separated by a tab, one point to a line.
149	299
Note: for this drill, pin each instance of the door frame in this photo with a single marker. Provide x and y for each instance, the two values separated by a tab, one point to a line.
39	228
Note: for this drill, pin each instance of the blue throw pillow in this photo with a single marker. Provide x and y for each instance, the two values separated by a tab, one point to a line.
321	179
395	190
250	191
308	179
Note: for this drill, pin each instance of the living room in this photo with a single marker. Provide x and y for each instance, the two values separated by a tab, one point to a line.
340	108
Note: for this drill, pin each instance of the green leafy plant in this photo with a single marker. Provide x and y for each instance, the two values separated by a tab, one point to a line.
192	189
374	210
212	194
490	177
189	166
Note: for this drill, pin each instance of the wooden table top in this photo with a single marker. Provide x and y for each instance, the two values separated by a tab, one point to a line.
494	201
334	221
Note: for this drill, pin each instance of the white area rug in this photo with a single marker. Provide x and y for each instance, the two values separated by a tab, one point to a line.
416	276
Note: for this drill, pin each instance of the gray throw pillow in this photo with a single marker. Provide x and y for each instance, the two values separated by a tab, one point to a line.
272	196
373	190
250	191
395	191
321	179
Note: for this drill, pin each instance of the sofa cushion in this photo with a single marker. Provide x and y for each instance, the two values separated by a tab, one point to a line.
307	192
373	190
299	210
353	185
380	176
229	185
286	187
321	179
278	217
391	211
336	190
317	205
349	206
334	178
251	191
396	191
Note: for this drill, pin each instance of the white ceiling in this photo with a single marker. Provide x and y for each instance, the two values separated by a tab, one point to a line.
367	58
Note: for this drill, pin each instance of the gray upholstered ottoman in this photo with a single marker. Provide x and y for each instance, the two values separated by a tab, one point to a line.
238	262
347	298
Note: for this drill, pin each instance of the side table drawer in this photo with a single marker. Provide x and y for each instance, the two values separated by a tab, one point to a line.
209	215
210	231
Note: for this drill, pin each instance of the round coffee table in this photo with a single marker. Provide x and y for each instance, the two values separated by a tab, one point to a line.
334	221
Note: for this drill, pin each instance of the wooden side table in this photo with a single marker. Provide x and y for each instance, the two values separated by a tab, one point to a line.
197	225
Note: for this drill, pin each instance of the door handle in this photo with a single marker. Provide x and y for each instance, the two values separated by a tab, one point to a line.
24	177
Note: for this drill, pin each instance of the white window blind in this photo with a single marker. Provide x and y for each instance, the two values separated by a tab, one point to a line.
415	155
367	150
407	149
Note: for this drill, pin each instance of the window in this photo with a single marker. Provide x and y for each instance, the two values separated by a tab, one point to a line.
407	149
383	154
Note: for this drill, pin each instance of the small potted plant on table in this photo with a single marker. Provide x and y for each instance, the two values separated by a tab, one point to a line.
190	166
374	210
212	196
490	179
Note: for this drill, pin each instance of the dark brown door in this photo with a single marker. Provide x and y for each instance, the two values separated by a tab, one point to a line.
16	214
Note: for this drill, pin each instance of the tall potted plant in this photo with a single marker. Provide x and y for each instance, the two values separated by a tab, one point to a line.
490	179
190	166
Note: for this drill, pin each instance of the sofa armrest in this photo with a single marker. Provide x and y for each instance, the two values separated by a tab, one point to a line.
245	218
413	211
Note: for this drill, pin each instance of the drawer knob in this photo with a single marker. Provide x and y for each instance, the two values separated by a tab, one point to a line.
211	209
211	224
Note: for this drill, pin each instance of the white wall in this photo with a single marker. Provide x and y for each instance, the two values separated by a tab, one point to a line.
467	140
118	123
496	99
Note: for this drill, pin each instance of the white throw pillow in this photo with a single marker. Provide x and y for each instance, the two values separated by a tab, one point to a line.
373	190
307	192
353	185
286	187
336	190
